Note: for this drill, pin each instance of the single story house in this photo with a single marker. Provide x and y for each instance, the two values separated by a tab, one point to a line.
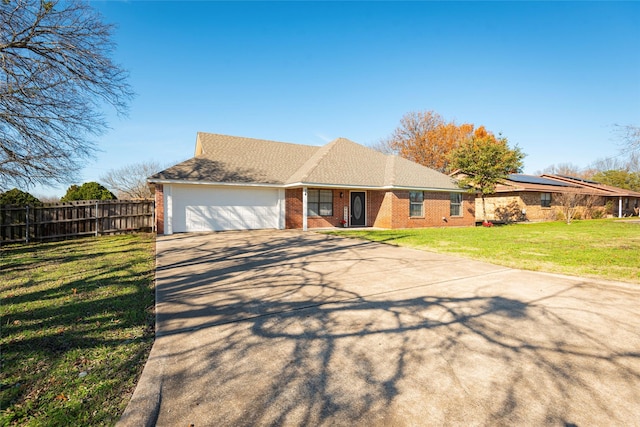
542	198
235	183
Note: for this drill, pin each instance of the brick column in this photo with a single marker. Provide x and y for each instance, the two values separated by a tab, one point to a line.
159	209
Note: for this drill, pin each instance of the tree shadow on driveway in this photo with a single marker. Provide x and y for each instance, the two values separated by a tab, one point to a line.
302	329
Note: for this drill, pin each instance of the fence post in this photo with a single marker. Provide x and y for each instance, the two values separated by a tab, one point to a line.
97	221
26	233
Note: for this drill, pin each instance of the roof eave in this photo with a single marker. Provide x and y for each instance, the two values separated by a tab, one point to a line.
308	184
216	183
373	187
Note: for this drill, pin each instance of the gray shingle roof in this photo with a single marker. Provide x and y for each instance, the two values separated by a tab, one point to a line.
232	159
236	160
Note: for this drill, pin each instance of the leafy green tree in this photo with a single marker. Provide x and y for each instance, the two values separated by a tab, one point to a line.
619	178
483	162
19	198
87	191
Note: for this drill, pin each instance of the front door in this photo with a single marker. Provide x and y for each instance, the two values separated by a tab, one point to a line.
357	209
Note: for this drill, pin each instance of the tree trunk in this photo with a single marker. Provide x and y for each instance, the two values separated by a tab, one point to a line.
484	210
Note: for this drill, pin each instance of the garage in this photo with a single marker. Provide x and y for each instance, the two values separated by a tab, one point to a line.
200	208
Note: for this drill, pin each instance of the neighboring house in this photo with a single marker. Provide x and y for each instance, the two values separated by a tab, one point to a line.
542	198
236	183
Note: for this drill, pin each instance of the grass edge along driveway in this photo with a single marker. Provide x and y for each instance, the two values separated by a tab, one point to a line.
77	327
605	249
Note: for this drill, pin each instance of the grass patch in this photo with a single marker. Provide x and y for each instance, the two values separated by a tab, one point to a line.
607	249
77	327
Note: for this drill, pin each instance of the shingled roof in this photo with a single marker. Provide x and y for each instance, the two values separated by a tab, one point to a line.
223	159
560	184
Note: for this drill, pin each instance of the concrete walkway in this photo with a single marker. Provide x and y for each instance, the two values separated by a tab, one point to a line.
291	328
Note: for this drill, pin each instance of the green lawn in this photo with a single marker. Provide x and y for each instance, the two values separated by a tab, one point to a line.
77	327
607	249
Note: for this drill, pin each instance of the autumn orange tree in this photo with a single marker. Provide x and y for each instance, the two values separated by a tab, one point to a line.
483	161
426	138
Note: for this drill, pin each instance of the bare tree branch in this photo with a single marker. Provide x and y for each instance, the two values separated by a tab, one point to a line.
630	136
426	138
130	182
56	75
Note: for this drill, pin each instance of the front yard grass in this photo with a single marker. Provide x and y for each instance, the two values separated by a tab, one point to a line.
77	327
608	249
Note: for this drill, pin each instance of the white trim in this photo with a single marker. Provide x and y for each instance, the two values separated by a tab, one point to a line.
168	209
308	184
282	208
214	183
304	209
373	187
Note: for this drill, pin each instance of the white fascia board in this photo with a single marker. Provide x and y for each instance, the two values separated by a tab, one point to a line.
337	186
308	184
373	187
430	189
213	183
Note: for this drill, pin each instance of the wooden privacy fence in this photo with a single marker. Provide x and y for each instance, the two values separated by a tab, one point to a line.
58	221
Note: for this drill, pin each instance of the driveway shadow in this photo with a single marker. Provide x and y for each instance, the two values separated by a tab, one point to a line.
301	329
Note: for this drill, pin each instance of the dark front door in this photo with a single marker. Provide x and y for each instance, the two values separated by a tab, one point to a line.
357	209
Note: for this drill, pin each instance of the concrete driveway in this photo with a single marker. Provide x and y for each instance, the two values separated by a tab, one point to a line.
292	328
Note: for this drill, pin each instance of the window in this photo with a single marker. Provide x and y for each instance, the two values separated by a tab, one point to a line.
545	200
455	208
415	203
320	202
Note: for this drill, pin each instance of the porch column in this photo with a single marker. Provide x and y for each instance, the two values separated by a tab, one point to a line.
620	207
168	209
304	208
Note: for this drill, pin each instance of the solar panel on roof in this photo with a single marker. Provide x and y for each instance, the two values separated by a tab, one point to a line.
588	181
531	179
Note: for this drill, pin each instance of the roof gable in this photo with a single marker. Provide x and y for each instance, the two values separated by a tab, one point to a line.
343	162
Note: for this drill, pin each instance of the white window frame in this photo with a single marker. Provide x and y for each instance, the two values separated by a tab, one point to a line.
413	204
314	197
457	203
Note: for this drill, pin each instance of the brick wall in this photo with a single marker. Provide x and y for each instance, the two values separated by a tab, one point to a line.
338	212
379	208
436	206
530	201
385	209
293	208
159	195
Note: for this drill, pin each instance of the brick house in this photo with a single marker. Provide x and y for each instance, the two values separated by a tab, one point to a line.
541	198
235	183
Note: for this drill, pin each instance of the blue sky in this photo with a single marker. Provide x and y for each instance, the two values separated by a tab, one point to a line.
552	77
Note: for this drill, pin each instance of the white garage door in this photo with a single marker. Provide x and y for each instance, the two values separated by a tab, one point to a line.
203	208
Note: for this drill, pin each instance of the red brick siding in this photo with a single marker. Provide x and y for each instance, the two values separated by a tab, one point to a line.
378	209
436	206
385	209
293	208
530	201
159	195
338	212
